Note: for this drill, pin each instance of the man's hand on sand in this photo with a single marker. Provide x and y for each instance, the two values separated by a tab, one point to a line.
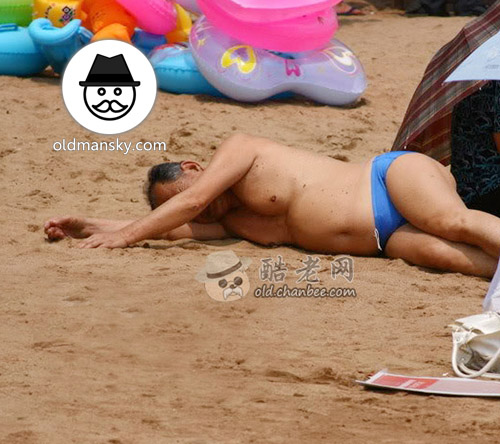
105	240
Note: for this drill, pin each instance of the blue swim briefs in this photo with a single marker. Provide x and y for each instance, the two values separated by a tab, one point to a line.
387	217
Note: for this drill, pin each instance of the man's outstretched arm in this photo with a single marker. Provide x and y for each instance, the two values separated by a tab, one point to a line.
202	232
78	227
230	164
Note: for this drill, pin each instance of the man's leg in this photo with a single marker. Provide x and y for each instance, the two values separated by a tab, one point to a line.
423	191
426	250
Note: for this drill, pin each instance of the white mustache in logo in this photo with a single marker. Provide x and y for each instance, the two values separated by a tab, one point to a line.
113	106
232	291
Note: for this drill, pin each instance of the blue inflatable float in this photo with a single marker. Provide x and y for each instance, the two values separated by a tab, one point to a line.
176	71
19	56
146	42
58	45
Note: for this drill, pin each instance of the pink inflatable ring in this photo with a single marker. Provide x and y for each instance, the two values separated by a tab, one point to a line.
296	34
263	11
154	16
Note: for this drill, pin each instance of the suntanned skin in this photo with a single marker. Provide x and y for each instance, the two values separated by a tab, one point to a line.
271	194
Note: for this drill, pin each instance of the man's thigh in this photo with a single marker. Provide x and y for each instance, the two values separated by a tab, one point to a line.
421	188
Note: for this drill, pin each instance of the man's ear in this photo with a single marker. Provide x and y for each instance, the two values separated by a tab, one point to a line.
187	165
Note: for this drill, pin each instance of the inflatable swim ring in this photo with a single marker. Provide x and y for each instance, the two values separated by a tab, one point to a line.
16	11
19	56
146	42
302	33
331	75
58	45
190	5
184	25
108	20
263	11
60	13
176	71
154	16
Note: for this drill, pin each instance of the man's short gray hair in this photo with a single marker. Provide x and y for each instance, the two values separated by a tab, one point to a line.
161	173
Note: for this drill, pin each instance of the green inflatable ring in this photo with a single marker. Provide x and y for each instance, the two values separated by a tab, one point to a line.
19	12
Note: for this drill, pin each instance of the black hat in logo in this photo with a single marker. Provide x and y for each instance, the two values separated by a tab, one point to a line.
109	71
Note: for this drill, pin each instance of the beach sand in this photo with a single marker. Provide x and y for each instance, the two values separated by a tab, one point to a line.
125	346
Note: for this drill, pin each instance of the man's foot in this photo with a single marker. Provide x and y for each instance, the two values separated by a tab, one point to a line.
77	227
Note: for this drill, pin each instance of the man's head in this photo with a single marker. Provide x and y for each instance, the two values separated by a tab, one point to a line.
168	179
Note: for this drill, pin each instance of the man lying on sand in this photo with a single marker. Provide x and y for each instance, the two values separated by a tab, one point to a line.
401	203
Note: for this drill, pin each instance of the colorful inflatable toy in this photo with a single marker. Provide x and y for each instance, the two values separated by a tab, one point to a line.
60	13
154	16
19	56
301	32
190	5
146	42
58	45
331	75
176	71
262	11
215	62
16	11
183	29
108	20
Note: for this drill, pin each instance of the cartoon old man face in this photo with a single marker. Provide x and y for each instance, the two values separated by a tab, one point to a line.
109	91
224	276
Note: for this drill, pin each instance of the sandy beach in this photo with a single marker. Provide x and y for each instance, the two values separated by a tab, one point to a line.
125	346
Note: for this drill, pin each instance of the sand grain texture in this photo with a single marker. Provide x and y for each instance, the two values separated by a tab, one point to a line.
124	346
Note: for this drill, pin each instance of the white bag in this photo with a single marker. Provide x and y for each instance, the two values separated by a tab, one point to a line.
476	346
492	299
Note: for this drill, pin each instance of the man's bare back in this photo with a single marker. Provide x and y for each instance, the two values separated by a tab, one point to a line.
402	203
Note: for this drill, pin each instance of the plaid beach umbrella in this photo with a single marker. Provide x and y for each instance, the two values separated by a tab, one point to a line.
426	127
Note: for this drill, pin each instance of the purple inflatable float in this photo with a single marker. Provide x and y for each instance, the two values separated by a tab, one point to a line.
331	75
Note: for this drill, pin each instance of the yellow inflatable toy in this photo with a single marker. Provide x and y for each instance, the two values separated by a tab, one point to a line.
184	24
108	20
60	13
